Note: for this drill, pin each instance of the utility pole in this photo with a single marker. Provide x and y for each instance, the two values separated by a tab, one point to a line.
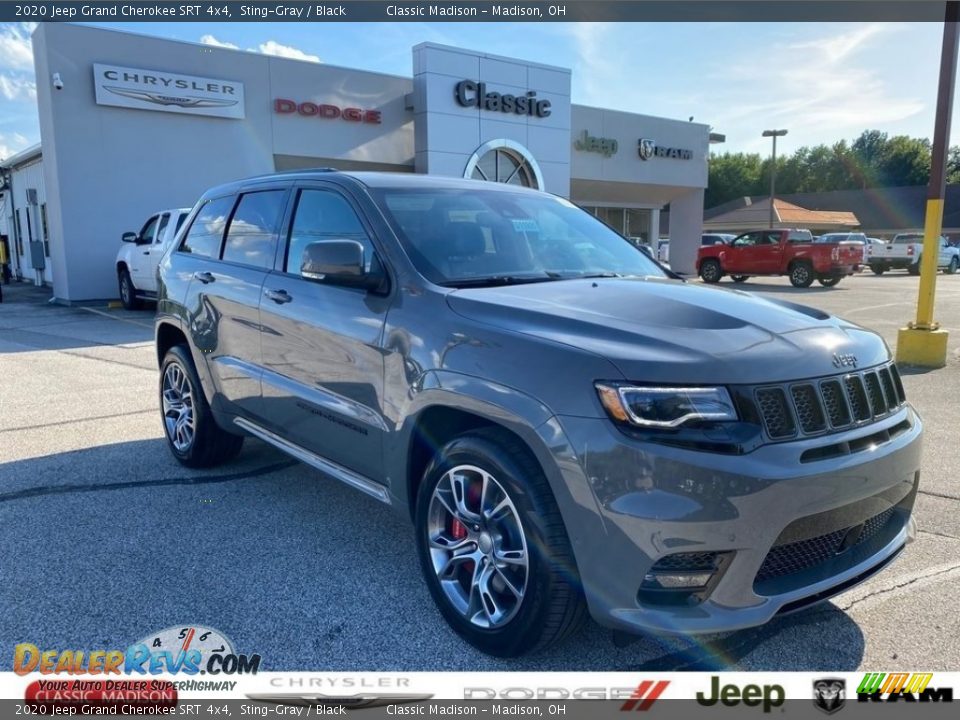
923	342
773	167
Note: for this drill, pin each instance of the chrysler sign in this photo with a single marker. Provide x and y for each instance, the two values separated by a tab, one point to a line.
167	92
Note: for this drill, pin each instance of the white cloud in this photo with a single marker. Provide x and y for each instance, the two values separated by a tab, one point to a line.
17	88
15	48
211	40
10	145
272	47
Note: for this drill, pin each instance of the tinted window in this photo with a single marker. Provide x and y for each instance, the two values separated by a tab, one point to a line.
800	236
323	215
183	216
147	232
164	221
456	236
206	231
252	235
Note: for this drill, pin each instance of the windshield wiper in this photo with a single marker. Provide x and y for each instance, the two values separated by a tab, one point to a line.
499	280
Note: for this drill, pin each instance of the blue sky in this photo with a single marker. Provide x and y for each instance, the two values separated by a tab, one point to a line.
824	82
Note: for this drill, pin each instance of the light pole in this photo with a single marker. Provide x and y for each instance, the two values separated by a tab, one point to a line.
773	167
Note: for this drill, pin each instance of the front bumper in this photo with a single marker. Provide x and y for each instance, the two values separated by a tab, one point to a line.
639	502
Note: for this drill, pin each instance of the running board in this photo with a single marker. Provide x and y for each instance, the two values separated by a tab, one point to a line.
328	467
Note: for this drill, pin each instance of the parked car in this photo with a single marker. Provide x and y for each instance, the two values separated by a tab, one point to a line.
472	355
778	252
140	253
663	250
716	238
905	251
857	239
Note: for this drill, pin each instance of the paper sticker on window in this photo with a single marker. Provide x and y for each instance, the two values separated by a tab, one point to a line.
525	225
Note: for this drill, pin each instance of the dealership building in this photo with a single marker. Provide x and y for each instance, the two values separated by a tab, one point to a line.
131	125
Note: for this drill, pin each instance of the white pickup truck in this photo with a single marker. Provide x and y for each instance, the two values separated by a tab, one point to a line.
904	253
140	254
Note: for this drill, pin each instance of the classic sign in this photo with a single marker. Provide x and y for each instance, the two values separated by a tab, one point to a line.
474	94
167	92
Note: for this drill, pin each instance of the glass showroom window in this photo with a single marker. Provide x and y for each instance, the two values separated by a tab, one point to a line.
504	161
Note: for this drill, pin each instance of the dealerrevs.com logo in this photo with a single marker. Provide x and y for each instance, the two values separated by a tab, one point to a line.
189	650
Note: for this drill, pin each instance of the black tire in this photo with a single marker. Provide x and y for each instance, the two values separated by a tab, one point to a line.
128	294
710	271
801	275
210	444
739	278
914	269
552	606
828	280
878	269
952	267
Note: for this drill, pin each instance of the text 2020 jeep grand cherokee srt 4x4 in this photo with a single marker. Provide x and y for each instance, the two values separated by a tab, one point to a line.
567	427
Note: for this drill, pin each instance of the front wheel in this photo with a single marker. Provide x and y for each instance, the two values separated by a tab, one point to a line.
828	280
493	548
915	268
193	436
128	294
952	267
710	271
801	275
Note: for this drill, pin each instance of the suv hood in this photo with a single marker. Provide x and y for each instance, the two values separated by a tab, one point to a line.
660	330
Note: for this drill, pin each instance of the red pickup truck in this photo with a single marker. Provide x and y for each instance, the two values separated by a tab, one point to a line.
778	252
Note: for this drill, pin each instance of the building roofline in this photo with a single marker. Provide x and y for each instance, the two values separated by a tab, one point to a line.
22	157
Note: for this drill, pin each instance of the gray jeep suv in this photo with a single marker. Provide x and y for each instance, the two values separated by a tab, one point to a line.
569	427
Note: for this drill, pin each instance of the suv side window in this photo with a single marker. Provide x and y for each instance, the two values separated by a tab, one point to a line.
323	215
252	235
747	239
205	233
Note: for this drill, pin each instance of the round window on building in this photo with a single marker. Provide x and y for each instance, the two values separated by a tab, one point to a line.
504	161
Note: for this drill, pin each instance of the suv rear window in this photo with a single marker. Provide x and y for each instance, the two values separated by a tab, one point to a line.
205	233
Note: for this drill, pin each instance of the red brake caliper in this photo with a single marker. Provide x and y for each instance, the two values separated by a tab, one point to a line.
457	529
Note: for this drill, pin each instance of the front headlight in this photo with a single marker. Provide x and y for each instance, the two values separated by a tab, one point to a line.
665	407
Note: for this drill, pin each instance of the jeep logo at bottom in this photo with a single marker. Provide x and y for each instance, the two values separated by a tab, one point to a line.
768	696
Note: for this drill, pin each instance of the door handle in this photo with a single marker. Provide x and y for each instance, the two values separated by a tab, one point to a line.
146	252
203	277
278	296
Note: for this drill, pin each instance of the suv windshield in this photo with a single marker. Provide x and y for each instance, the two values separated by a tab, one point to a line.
488	237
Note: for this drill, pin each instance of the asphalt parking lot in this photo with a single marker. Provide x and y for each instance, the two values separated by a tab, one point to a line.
106	538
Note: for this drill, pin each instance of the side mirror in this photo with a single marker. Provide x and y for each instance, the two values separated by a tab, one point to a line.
340	262
129	237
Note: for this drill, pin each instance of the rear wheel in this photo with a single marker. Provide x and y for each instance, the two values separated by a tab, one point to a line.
801	275
710	271
739	278
128	295
493	548
952	267
828	280
193	436
878	269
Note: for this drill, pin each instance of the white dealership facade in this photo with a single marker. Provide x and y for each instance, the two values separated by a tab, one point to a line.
132	124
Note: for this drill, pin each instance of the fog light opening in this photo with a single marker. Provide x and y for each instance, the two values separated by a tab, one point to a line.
682	578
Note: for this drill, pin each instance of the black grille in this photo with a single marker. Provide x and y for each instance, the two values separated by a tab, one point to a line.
686	562
809	412
794	557
776	413
895	374
831	403
836	404
857	397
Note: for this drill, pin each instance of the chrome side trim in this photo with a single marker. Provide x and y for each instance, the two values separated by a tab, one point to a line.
328	467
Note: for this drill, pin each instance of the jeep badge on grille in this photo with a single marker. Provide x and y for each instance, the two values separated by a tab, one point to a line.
841	360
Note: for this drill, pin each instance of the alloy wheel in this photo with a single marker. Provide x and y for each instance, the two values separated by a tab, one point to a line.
477	546
179	418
